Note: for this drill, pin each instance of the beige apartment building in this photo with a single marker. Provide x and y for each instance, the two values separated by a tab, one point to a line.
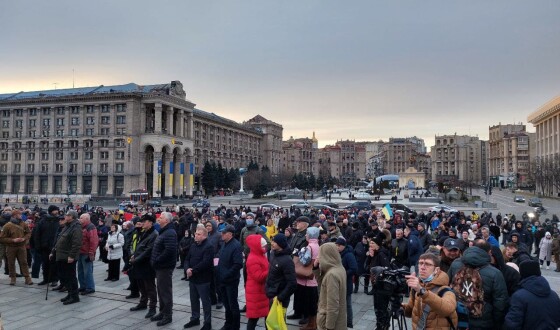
546	120
457	158
106	141
508	155
300	156
345	160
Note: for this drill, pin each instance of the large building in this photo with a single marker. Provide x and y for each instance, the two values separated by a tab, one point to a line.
107	141
401	153
508	155
457	158
346	160
300	156
546	120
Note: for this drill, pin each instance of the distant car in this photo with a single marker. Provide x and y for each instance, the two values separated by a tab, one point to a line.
201	203
359	205
362	195
535	202
153	203
445	208
323	206
269	207
333	205
401	207
301	205
519	199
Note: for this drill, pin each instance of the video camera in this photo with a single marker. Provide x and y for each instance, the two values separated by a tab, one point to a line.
390	281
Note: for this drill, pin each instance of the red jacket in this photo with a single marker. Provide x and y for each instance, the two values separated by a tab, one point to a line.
257	271
90	240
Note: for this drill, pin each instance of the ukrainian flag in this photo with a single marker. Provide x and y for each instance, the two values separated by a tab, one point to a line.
387	211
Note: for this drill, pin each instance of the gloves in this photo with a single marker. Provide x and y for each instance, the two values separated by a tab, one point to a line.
111	246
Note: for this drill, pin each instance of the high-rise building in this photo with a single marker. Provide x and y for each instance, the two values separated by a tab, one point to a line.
508	155
300	156
346	160
457	158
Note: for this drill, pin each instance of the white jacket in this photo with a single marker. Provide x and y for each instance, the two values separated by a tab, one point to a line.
117	241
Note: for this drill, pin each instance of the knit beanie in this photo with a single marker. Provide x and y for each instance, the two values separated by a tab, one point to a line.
529	268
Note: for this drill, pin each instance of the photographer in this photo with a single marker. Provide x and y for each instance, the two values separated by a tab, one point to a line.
427	308
378	256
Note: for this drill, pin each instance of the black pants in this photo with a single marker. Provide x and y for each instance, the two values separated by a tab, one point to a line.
200	292
165	290
229	295
148	294
114	269
49	267
252	324
306	299
134	287
381	307
67	274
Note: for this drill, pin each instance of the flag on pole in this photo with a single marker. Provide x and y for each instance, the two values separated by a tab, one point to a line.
387	211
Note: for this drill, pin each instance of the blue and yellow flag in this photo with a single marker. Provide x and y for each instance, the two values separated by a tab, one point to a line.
387	211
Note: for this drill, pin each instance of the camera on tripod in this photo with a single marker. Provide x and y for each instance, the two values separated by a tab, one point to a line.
390	281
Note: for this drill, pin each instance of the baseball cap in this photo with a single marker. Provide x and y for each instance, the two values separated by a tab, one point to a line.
228	229
451	244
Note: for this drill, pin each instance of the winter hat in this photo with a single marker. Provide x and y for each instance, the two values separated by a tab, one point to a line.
53	208
547	234
313	232
513	265
529	268
379	239
423	225
7	209
281	240
340	241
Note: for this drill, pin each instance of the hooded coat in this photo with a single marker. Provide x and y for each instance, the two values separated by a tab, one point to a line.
495	290
545	247
534	306
257	272
511	275
440	307
332	300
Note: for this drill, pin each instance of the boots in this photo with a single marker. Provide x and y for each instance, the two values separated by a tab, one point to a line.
12	281
28	281
311	324
73	299
356	284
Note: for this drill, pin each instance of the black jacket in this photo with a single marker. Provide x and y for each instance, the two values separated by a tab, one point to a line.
281	281
425	239
141	269
399	251
230	263
511	276
200	259
45	236
164	253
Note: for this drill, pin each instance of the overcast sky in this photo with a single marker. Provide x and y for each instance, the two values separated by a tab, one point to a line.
359	70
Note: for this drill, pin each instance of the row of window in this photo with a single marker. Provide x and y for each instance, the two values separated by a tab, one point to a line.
74	121
103	143
103	131
104	108
87	184
59	168
60	155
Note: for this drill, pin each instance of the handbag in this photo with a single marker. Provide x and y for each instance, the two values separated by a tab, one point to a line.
275	319
304	271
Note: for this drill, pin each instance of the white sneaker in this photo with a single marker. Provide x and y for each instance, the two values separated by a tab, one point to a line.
547	267
540	266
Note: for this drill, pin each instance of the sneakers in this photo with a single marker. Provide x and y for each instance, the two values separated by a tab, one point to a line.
132	296
206	326
43	282
191	323
547	267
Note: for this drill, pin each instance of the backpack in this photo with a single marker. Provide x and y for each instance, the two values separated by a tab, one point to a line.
467	285
460	309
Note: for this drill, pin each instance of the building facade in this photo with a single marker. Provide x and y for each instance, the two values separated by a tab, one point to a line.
457	158
300	156
546	120
346	160
508	155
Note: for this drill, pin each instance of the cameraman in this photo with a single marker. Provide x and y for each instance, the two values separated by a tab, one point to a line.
379	256
437	310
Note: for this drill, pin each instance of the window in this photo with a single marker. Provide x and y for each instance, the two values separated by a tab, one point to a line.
90	121
30	168
74	155
45	156
89	132
119	143
73	168
60	110
121	120
104	155
5	113
17	134
103	167
44	168
30	156
3	156
75	121
105	108
119	167
60	133
88	155
105	120
119	154
46	111
59	122
17	156
19	113
120	131
59	144
59	156
75	110
90	109
87	168
32	123
6	135
3	168
88	143
46	122
58	168
19	123
5	124
73	143
33	112
74	132
121	107
45	133
17	168
104	131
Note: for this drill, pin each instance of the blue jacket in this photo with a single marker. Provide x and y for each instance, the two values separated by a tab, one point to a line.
200	260
493	241
534	306
230	264
350	265
164	252
415	249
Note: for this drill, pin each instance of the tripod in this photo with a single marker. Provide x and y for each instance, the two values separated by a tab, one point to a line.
397	313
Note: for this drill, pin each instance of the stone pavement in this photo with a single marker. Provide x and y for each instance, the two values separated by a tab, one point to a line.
25	307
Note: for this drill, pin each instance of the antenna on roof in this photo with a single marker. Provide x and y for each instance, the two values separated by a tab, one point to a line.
72	78
55	85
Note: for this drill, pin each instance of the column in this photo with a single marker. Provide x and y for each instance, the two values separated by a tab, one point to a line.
142	119
157	118
22	183
169	121
35	184
156	173
169	174
64	190
177	188
189	174
79	183
94	184
190	126
50	188
110	185
142	171
181	127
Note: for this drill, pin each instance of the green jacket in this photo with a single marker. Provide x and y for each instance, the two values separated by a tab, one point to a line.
69	242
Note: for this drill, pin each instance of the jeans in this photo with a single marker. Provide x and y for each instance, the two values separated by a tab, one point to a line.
164	289
85	273
229	295
36	266
349	315
200	291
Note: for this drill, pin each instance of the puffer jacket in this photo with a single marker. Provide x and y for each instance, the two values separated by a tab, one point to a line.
281	280
494	285
350	265
141	268
116	240
332	300
440	307
69	241
164	253
534	306
257	272
45	234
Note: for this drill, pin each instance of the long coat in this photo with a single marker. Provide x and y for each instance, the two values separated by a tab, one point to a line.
257	272
115	239
545	247
332	300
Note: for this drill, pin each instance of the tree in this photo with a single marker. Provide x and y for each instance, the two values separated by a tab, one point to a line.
208	178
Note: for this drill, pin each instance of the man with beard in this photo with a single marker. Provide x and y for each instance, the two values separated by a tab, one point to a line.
448	253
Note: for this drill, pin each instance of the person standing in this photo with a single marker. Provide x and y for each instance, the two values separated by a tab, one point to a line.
556	251
163	260
298	241
545	250
15	235
281	281
332	300
257	272
114	248
66	253
199	269
230	262
46	232
141	271
351	267
87	255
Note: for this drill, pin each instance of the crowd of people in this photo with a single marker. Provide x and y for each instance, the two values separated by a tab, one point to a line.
316	258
